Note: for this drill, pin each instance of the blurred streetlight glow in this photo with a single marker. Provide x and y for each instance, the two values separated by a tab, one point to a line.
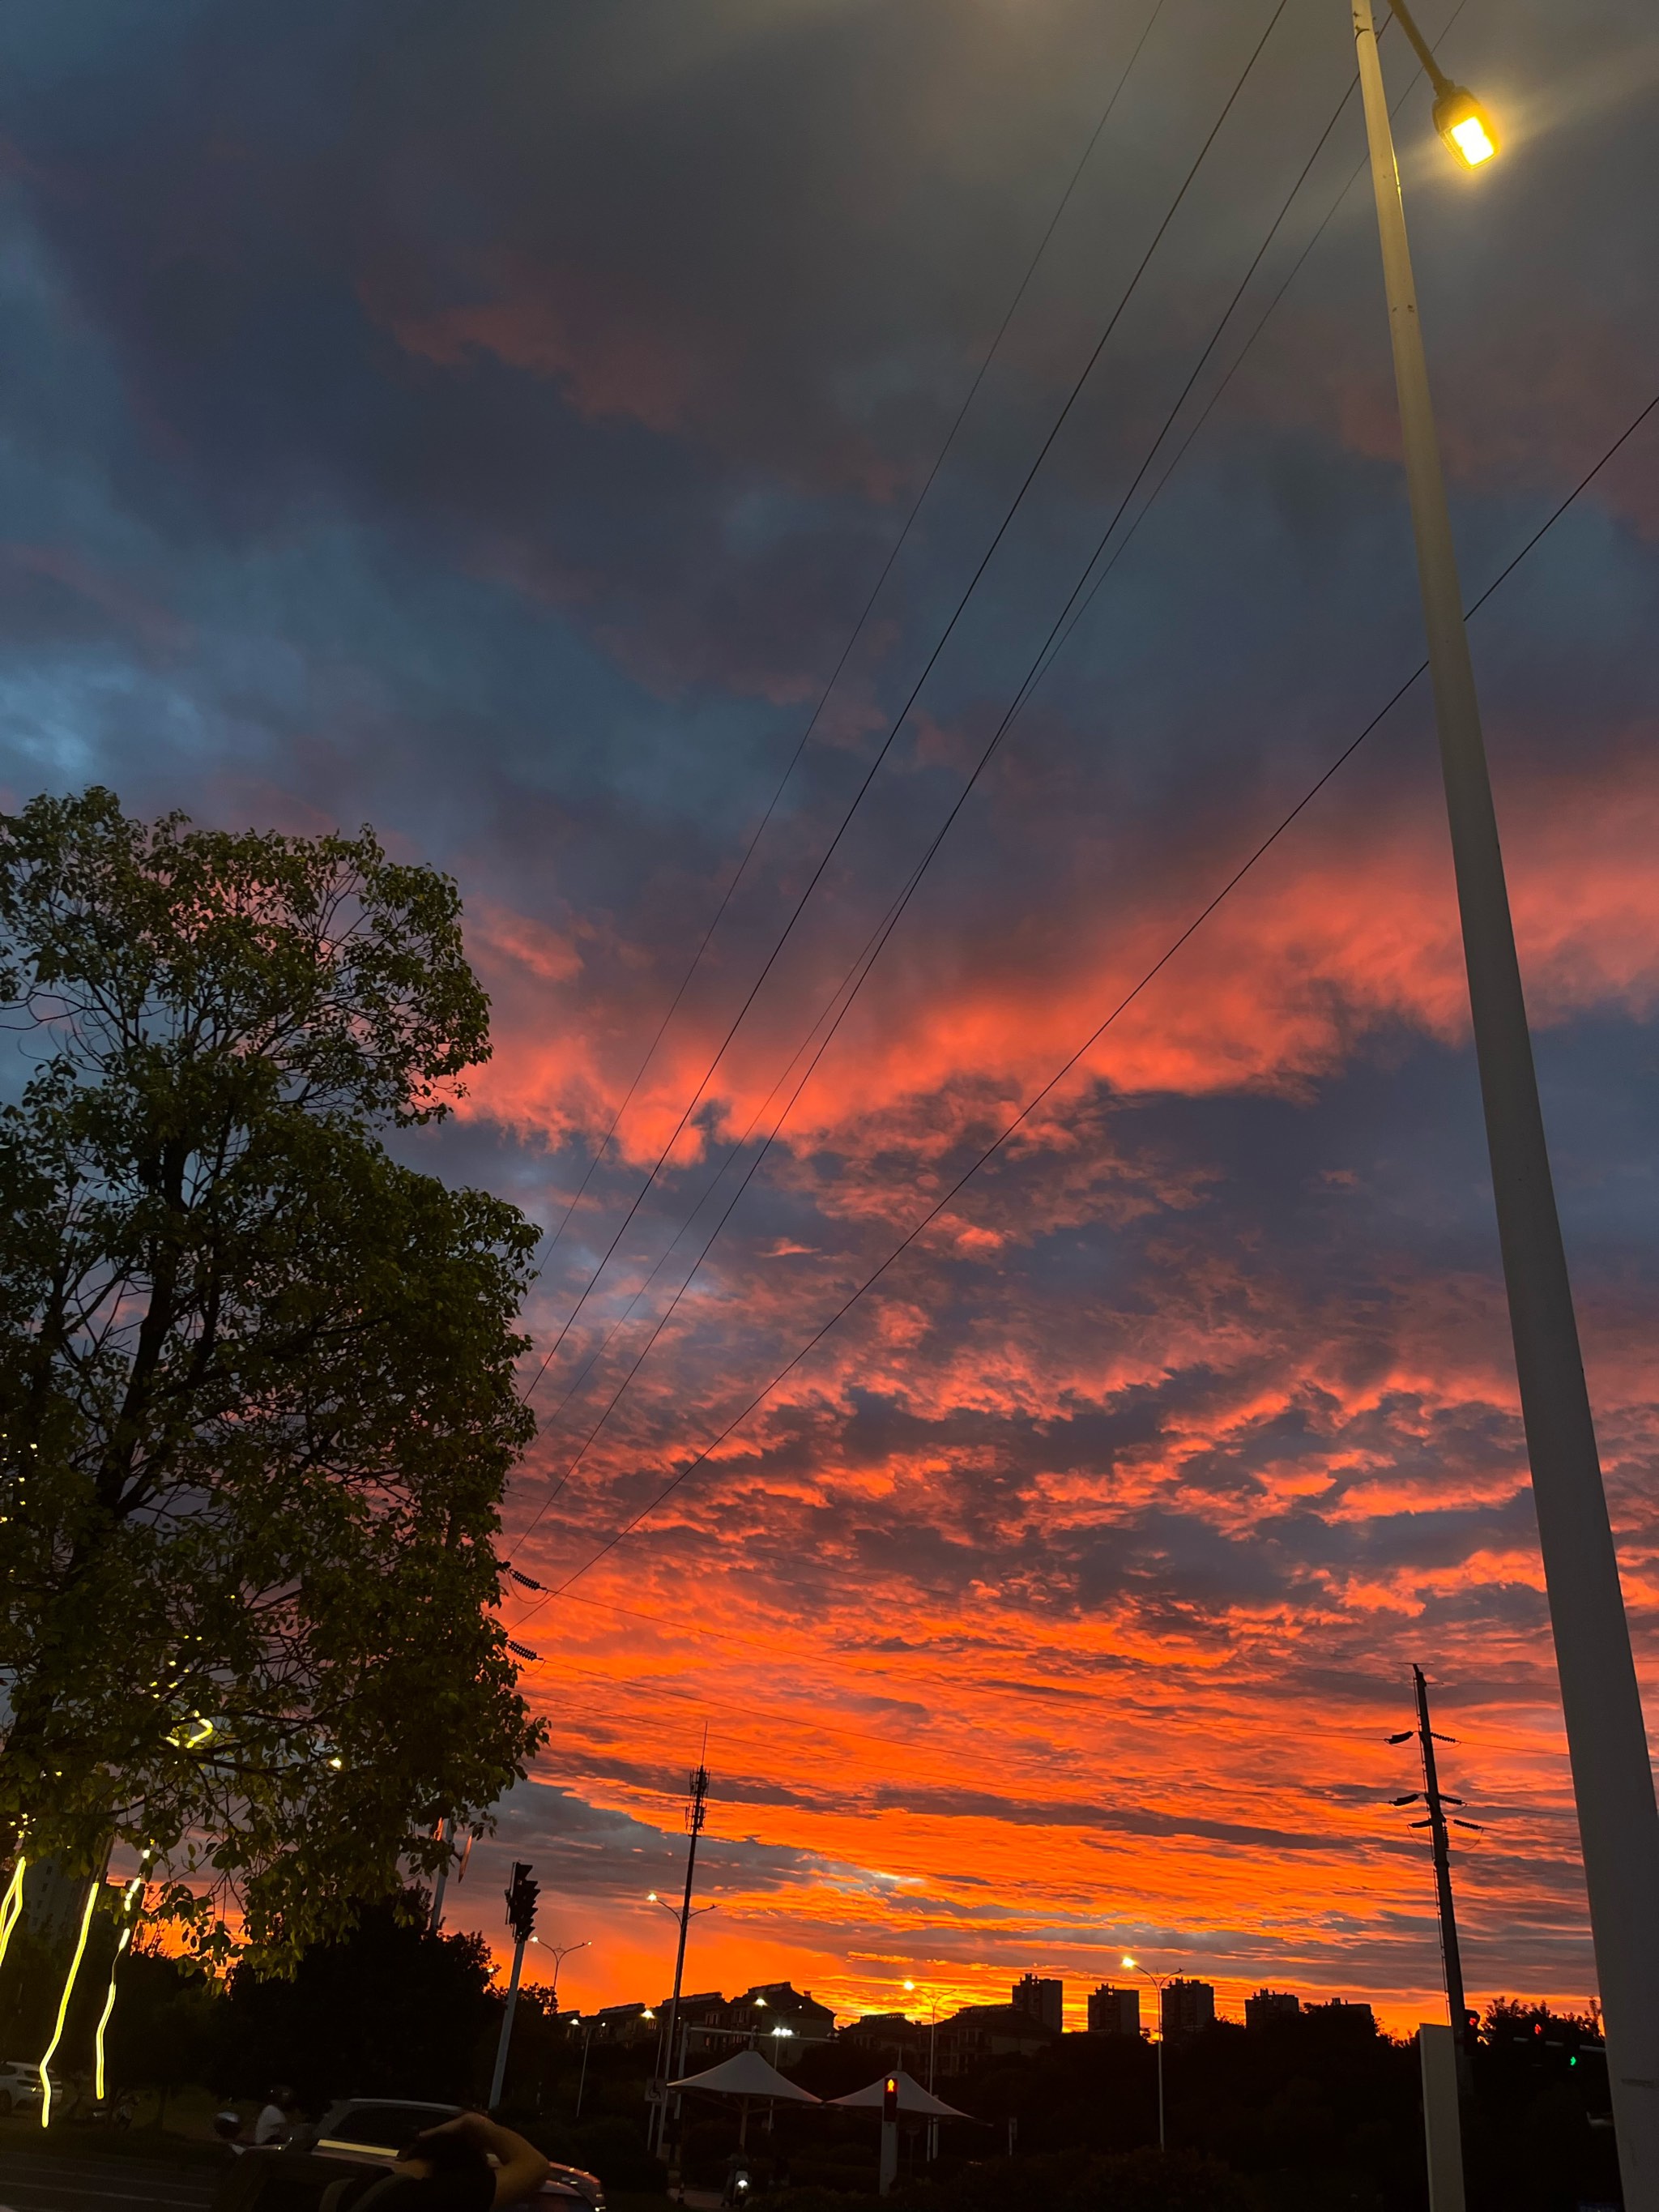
1465	126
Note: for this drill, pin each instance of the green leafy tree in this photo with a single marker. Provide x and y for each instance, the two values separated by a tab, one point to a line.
256	1375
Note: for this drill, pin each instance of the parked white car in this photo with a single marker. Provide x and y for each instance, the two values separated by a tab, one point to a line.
20	2086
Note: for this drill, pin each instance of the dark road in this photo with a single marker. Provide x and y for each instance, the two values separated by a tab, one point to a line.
37	2182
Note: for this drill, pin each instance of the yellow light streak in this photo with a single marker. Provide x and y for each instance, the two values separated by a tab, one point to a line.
11	1905
93	1888
128	1897
103	2022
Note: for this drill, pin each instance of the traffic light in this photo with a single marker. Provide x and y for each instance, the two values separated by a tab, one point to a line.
890	2097
521	1895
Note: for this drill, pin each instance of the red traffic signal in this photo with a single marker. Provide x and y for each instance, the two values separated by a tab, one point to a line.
890	2097
521	1895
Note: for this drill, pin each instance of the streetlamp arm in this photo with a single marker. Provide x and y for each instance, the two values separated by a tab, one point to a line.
1420	47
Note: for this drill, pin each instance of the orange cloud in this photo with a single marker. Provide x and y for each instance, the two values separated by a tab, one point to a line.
1348	926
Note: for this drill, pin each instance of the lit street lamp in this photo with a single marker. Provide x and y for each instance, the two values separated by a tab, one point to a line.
933	2048
1159	1982
1612	1775
561	1952
684	1914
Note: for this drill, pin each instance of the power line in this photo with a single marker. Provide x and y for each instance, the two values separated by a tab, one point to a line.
1059	632
854	977
817	713
885	930
668	1251
1070	1065
1205	413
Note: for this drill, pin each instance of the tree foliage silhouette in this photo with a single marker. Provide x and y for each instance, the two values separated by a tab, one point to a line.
256	1373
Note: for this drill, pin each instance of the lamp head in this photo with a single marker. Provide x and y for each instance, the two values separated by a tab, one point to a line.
1128	1962
1466	126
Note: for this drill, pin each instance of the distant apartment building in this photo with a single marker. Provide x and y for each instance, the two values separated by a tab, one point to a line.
1113	2011
893	2036
701	2018
53	1901
1268	2006
624	2023
1187	2008
981	2032
779	2019
1043	2000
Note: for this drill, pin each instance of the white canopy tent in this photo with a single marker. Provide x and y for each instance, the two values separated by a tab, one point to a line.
913	2099
752	2080
748	2074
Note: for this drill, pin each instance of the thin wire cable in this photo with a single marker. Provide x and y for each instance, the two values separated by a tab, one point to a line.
1058	631
817	713
550	1419
915	691
1208	408
854	979
849	985
1053	1083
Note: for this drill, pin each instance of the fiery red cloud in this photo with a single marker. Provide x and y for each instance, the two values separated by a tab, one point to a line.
1351	925
1027	1628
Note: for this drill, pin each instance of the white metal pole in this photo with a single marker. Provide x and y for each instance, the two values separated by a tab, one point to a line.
1612	1775
446	1837
887	2168
500	2076
1439	2052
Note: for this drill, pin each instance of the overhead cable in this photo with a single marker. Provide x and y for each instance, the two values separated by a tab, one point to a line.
852	983
1069	1066
857	631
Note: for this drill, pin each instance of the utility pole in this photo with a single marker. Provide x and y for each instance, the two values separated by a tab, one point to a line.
521	1895
1607	1738
696	1812
1435	1800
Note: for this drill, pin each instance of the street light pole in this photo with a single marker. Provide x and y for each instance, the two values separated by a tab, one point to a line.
933	2054
561	1952
1158	1982
1606	1740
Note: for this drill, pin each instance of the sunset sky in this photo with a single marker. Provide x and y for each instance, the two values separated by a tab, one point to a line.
492	422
